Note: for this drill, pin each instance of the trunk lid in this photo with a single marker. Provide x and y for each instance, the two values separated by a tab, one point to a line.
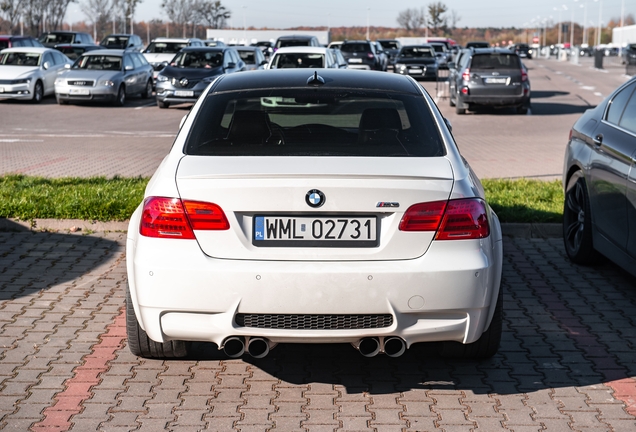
277	188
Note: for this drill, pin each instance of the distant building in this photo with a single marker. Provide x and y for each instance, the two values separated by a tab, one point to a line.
622	36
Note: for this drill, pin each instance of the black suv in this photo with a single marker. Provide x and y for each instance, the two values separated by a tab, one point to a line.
523	50
362	55
123	41
50	39
492	77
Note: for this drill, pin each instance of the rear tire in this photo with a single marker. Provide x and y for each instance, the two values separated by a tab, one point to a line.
577	222
484	347
522	109
142	346
459	110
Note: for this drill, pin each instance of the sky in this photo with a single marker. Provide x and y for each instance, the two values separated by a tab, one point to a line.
349	13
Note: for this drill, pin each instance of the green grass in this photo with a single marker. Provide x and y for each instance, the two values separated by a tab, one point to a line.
525	200
103	199
96	198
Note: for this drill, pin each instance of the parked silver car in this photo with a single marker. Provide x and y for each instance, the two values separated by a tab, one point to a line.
599	177
28	73
105	75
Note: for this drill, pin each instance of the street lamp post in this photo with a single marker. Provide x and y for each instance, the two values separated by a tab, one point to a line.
244	25
368	10
600	17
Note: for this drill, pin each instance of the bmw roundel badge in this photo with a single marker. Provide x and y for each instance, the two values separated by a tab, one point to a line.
315	198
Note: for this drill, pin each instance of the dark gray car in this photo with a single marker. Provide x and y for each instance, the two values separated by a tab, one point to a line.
192	70
490	77
599	214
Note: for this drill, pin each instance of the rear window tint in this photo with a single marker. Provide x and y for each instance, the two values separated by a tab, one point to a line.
299	122
298	60
355	47
495	61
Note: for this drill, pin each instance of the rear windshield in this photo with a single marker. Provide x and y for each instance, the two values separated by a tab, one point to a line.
389	45
20	59
298	60
292	43
355	47
165	47
247	56
57	38
302	122
71	52
4	44
115	42
495	61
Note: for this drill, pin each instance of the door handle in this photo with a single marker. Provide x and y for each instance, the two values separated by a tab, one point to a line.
598	139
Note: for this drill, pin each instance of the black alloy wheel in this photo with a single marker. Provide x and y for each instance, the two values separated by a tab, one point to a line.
577	222
148	90
121	96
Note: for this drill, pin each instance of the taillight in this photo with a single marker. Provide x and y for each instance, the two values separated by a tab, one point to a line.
466	75
465	90
423	216
206	216
464	219
370	55
172	218
453	220
164	218
524	75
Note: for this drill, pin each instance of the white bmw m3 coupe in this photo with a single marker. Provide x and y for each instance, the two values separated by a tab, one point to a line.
342	213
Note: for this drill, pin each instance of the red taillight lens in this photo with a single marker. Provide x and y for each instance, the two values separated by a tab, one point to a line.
453	220
172	218
464	219
466	75
524	75
370	55
164	218
423	216
465	90
206	216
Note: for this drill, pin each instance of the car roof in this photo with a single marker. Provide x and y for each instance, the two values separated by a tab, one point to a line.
296	37
118	35
206	48
28	49
418	46
491	50
334	78
246	48
110	52
302	49
165	39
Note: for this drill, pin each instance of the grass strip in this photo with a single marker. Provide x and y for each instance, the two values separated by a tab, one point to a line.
106	199
96	198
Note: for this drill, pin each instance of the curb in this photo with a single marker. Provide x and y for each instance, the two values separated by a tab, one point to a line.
523	230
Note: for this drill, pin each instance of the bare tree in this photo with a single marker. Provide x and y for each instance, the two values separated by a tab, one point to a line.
11	10
212	13
453	19
99	12
44	15
411	19
437	20
180	12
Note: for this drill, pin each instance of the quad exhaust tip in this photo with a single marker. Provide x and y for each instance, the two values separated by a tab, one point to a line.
392	346
235	347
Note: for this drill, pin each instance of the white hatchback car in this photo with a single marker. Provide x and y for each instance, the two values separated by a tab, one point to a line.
345	214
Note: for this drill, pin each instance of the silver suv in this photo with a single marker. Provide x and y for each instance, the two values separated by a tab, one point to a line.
492	77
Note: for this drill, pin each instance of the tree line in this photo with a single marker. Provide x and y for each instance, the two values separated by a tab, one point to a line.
106	16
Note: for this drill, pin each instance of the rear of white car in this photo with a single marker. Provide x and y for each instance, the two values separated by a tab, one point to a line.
348	217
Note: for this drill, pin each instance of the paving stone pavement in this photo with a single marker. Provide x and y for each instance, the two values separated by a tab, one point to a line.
566	362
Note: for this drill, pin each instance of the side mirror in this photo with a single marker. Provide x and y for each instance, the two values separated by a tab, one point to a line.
128	68
67	66
230	65
46	65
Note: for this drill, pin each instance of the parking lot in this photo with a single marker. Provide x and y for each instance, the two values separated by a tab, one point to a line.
566	362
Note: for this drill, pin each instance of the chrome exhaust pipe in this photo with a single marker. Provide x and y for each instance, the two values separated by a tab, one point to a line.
258	347
234	347
394	346
369	347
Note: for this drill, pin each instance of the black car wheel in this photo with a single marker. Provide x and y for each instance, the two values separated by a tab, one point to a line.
121	96
148	90
577	222
523	109
141	345
161	104
38	92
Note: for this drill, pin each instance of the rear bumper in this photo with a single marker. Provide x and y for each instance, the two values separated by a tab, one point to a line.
447	294
496	101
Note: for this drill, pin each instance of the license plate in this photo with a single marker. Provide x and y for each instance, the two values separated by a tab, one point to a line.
312	231
415	71
355	60
496	80
84	92
184	93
